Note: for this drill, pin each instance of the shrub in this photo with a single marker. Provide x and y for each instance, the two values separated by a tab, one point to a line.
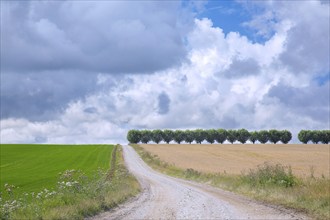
221	136
134	136
156	136
263	136
268	174
168	136
191	173
242	135
211	135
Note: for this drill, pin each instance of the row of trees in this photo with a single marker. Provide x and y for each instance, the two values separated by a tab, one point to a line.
211	136
314	136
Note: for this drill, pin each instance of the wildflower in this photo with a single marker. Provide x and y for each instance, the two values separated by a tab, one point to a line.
39	195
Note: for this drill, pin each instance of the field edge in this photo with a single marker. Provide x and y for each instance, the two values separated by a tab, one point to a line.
114	187
278	196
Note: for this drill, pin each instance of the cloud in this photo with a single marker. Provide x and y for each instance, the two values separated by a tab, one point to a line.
312	102
242	68
307	45
23	131
52	52
90	110
163	103
42	96
99	36
226	81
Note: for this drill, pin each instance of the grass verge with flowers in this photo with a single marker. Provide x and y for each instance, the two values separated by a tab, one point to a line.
270	183
76	195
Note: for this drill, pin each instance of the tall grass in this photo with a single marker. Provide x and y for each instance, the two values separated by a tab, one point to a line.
270	174
271	183
76	195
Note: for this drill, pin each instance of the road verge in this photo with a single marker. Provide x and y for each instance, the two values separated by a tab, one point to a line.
310	195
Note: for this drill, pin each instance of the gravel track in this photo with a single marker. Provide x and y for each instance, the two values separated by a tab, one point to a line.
165	197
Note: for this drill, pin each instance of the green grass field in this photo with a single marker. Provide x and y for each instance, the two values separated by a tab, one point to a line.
35	167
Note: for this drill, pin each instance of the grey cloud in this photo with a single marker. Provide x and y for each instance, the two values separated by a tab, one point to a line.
209	119
90	110
312	101
228	122
53	52
184	79
240	68
308	51
163	103
98	36
41	97
40	139
238	116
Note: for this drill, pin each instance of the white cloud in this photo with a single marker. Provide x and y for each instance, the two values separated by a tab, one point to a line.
200	92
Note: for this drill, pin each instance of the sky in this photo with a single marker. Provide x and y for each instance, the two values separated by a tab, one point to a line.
89	71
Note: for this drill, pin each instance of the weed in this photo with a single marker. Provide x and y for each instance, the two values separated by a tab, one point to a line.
268	174
189	173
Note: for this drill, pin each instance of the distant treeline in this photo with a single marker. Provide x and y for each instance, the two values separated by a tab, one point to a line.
315	136
221	135
211	136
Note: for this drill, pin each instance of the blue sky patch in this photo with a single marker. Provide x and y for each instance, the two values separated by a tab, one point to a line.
230	16
322	79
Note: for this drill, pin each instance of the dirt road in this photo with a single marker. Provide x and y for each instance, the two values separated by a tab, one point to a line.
164	197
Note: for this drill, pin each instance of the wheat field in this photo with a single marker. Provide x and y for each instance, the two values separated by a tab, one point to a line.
304	159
